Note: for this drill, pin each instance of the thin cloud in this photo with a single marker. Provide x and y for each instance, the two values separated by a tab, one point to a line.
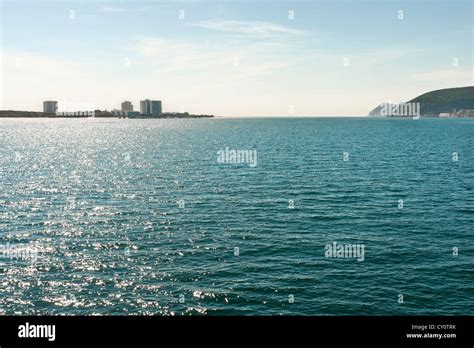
454	76
47	77
248	28
174	56
112	9
119	9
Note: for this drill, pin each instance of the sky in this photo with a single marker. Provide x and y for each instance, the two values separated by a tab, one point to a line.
233	58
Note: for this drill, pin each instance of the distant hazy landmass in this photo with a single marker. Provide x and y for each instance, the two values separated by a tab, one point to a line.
97	113
440	101
14	113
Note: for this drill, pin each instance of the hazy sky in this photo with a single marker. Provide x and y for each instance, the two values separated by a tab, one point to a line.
233	58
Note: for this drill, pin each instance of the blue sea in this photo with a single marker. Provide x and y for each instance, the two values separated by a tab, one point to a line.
139	217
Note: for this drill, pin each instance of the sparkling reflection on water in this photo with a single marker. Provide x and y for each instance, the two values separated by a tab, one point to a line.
137	216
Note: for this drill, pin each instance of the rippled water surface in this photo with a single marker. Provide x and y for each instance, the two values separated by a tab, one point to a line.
99	201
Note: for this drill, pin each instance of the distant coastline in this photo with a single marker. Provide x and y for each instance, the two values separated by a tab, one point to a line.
97	113
448	102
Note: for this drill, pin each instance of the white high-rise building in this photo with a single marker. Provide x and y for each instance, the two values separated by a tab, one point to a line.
145	107
150	107
50	106
127	106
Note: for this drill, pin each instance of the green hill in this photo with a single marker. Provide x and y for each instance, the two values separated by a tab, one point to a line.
443	100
